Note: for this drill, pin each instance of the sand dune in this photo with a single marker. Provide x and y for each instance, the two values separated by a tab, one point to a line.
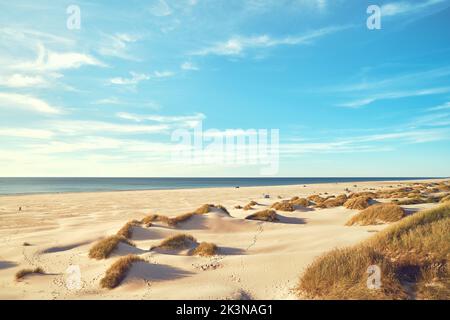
255	259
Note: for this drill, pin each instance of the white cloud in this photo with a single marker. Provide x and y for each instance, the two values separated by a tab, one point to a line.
358	103
163	74
20	81
112	100
53	61
135	79
115	101
26	102
27	35
188	66
238	44
138	77
26	133
404	7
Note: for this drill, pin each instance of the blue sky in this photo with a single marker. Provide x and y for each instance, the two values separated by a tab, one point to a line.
103	100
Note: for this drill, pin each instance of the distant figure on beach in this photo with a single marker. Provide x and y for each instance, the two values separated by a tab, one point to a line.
237	187
20	208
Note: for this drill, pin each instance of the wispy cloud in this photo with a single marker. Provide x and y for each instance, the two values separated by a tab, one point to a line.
393	95
135	103
75	127
188	66
261	6
26	133
404	79
54	61
162	74
444	106
432	120
18	80
138	77
189	121
160	8
238	44
27	35
134	79
112	100
405	7
117	45
26	102
367	143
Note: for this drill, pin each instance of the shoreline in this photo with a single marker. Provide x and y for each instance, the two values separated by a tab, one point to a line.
394	180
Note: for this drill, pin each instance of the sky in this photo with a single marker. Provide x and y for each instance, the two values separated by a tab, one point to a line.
105	99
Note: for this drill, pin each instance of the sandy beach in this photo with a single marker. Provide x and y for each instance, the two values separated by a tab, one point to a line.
256	260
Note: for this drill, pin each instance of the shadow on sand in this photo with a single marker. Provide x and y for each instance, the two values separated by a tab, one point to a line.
290	220
7	264
155	272
64	248
230	251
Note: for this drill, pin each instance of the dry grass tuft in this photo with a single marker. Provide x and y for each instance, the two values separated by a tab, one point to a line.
415	200
205	249
148	220
181	218
25	272
363	194
377	214
418	200
127	230
333	202
118	271
412	255
301	202
103	248
397	193
358	203
172	222
445	199
177	242
204	209
283	206
443	187
249	206
265	215
316	199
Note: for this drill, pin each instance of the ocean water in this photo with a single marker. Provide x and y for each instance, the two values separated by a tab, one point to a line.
57	185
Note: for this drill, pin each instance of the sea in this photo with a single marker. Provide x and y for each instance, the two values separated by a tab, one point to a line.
11	186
